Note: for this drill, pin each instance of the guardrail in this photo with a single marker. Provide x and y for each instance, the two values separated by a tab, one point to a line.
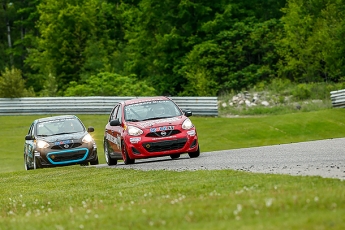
200	106
338	98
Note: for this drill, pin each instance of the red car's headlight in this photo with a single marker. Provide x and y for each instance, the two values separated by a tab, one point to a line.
187	124
134	131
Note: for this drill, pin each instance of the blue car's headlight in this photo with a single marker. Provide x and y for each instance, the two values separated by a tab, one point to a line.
42	144
87	138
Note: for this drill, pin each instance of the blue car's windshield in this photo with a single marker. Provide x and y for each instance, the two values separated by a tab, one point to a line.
57	127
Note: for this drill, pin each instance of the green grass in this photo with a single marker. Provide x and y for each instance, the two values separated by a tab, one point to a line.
77	197
101	198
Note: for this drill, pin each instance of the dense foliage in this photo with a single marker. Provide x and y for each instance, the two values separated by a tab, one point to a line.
197	48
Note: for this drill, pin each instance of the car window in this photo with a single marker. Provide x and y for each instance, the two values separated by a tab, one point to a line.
113	113
119	113
151	110
59	126
30	132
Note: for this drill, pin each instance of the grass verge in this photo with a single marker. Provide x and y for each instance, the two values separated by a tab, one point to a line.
76	197
106	198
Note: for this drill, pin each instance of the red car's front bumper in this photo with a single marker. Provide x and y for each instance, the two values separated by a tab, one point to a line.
145	147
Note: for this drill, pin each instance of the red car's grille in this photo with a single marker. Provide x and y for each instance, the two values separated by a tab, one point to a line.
163	133
165	145
68	156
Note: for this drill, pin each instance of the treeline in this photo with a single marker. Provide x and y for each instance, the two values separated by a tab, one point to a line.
170	47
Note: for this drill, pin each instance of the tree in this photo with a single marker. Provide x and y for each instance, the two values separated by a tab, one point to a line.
109	84
228	43
312	45
12	85
65	27
240	55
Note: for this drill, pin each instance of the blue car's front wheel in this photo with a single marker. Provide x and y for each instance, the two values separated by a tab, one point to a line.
28	163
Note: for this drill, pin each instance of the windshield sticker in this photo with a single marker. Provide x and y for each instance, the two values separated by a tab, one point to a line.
147	103
57	120
153	122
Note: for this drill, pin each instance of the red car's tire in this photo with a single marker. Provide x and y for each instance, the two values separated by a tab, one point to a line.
175	156
125	156
194	154
108	159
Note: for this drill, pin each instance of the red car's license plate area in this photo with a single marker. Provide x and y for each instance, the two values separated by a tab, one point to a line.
165	145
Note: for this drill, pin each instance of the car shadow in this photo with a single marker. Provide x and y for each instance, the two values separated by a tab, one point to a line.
155	159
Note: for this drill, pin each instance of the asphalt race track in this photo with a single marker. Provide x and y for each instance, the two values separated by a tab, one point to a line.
325	158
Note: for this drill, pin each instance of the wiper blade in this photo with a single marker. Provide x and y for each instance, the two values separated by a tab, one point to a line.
133	120
155	118
61	133
151	118
164	117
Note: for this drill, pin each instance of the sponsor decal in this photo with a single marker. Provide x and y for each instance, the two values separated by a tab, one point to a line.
67	142
191	132
152	123
134	140
160	138
163	128
116	140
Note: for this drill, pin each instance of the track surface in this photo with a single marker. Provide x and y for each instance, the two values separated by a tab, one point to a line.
325	158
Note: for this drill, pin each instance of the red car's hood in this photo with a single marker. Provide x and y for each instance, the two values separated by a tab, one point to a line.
172	121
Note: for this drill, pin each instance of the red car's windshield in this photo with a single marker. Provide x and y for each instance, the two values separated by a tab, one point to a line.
151	110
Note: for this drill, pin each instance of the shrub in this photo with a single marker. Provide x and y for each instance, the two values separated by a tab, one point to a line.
110	84
280	86
12	84
302	92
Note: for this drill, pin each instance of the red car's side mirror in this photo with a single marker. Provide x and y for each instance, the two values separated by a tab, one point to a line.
115	122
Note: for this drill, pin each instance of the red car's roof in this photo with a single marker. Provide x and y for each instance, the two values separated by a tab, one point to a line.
144	99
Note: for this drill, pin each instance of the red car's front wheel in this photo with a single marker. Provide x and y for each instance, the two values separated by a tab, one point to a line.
125	156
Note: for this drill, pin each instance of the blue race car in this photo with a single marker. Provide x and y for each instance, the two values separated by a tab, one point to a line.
59	141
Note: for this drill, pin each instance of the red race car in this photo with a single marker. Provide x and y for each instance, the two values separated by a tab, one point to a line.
149	127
